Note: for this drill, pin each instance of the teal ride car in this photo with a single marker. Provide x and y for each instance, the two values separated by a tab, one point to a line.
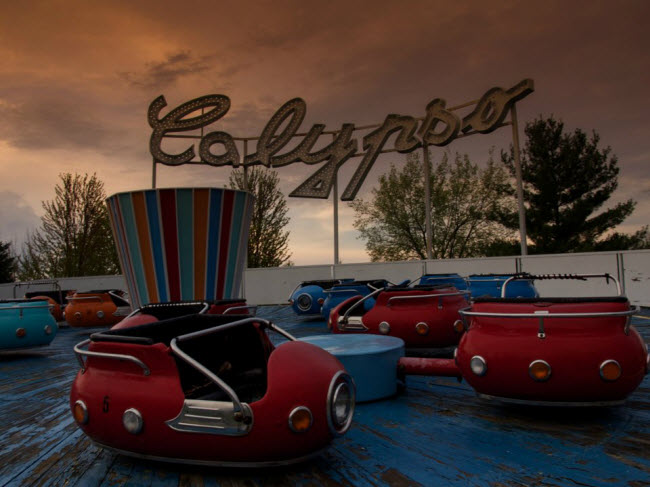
26	323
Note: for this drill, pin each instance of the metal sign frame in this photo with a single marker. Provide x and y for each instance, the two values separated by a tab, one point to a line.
439	127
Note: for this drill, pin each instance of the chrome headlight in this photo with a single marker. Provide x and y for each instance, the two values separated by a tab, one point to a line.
478	365
384	327
132	421
304	302
340	403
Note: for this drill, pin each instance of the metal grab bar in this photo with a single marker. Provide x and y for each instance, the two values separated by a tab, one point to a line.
38	283
206	306
542	315
240	412
234	324
237	308
344	319
85	298
4	308
213	377
425	296
115	356
578	277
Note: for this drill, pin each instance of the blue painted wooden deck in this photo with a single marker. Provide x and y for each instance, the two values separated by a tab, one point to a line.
435	433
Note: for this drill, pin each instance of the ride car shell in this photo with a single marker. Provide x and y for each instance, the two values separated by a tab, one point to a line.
104	307
308	297
341	292
162	311
210	389
424	316
26	323
552	351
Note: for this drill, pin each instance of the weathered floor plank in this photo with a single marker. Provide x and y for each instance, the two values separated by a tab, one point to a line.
436	432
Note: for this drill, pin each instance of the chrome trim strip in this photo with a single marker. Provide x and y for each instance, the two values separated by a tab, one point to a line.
115	356
531	402
213	418
629	312
213	463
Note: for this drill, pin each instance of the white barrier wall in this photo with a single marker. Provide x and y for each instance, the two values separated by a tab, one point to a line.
274	285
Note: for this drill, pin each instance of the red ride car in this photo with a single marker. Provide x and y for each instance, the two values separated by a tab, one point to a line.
422	316
210	389
553	351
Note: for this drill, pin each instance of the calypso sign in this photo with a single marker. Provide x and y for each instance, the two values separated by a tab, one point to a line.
439	127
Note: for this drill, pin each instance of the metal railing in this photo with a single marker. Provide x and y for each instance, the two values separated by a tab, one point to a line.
542	315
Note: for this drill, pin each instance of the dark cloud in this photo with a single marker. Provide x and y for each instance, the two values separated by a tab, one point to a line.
16	219
163	74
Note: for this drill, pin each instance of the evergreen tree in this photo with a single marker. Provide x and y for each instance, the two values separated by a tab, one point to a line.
7	263
567	178
268	242
75	237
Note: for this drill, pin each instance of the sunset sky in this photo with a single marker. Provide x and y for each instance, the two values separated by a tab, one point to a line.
77	77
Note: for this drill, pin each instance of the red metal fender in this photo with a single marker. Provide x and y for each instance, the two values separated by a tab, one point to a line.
443	367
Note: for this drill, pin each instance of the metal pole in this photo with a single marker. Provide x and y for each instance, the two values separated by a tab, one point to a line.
153	175
336	213
520	190
245	168
427	200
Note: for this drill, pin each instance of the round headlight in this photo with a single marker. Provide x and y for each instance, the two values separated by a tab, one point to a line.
340	400
539	370
80	412
300	419
478	365
100	314
384	327
610	370
422	328
459	327
132	421
304	302
47	330
20	333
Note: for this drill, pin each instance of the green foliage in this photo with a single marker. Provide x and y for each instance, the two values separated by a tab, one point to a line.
566	180
7	263
463	199
75	237
268	243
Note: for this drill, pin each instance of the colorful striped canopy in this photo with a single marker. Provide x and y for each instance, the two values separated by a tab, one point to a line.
181	243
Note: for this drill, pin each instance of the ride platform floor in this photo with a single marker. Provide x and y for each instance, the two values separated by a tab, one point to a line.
435	432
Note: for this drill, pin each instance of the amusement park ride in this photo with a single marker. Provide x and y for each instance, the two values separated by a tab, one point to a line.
192	375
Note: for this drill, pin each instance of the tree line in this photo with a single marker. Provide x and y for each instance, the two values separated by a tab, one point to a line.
567	179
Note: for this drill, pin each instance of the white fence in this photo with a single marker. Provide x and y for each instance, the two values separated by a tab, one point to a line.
274	285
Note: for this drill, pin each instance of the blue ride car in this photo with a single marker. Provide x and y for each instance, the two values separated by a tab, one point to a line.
451	279
341	292
308	297
26	323
491	285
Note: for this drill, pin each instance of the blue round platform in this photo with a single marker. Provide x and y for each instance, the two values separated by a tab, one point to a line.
371	360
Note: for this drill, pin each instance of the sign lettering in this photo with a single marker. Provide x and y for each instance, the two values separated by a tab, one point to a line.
439	127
